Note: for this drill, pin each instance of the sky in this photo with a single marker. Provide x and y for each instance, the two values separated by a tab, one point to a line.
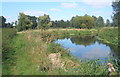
57	10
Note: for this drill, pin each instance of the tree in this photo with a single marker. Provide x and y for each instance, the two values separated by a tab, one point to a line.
2	21
68	23
33	19
23	22
108	23
9	25
44	22
77	21
89	21
95	19
83	22
54	24
116	9
100	22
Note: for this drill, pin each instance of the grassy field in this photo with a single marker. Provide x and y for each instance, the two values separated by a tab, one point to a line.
29	52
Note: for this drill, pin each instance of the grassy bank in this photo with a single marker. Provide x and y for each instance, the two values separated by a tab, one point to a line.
31	50
109	35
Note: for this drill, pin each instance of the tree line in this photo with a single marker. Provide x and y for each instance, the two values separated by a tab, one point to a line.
26	22
3	23
44	22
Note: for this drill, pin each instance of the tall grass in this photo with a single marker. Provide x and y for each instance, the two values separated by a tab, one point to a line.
7	49
109	35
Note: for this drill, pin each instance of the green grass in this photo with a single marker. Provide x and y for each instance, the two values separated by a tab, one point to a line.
7	49
31	50
109	35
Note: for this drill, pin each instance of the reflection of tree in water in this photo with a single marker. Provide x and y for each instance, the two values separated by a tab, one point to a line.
84	40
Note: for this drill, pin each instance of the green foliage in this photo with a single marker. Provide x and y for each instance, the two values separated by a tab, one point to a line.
116	9
24	22
83	21
61	24
100	22
95	19
7	49
7	35
33	19
44	22
109	35
108	23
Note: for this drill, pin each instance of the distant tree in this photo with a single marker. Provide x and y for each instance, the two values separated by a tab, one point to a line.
68	23
54	24
23	22
108	23
83	22
44	22
116	9
89	21
62	24
33	19
95	20
9	25
2	21
100	22
77	21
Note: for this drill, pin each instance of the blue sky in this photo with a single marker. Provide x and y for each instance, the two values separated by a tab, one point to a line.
56	10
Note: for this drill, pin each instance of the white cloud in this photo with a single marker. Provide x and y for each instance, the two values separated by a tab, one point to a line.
96	53
69	5
98	3
34	13
9	19
54	9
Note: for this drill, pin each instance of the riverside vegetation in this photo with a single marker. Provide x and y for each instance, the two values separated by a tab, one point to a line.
26	53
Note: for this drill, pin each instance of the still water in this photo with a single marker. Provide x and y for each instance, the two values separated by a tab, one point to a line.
88	48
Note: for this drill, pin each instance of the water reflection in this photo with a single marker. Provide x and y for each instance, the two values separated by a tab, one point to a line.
88	47
83	40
